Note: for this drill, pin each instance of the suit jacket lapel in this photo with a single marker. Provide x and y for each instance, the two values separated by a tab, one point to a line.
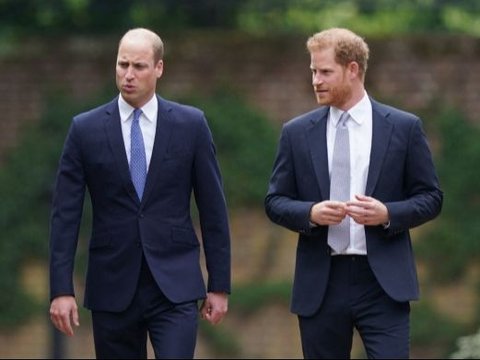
382	129
113	129
162	136
317	141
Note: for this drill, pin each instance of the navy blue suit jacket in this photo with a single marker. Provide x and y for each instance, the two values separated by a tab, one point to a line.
160	226
401	175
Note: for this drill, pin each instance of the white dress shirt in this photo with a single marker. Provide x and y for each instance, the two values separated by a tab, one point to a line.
148	124
360	135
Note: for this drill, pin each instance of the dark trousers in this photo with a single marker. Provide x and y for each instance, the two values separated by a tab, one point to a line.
354	299
172	328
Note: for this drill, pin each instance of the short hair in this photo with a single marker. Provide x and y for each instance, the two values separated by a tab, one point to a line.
347	46
157	43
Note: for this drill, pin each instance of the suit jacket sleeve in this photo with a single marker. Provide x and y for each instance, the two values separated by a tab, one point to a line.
422	200
68	198
281	203
210	200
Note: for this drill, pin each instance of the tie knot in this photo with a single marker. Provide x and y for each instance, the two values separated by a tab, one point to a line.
342	122
136	114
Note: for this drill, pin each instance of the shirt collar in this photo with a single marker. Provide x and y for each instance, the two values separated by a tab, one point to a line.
149	110
357	112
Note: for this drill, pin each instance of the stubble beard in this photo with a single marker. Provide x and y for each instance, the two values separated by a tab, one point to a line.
337	96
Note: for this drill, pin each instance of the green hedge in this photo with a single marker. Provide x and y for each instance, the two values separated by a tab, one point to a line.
25	189
451	243
246	144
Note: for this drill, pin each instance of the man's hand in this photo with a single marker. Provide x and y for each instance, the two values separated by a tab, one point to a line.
214	307
64	311
366	210
328	212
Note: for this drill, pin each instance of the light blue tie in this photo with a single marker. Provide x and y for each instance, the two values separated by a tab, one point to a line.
339	235
138	161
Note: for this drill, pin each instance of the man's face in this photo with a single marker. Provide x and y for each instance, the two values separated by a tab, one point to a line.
136	72
329	79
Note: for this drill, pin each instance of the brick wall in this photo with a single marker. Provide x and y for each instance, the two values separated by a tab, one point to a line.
272	73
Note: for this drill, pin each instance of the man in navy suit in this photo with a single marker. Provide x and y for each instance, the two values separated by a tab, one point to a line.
363	276
144	274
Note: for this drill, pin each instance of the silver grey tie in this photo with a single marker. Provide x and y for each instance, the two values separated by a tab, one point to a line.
339	235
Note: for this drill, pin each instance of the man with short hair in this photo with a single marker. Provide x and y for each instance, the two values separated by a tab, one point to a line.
141	157
352	177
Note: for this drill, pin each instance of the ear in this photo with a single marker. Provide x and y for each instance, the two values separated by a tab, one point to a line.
159	69
353	69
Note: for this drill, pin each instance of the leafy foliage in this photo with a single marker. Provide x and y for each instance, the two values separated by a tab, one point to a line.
51	17
369	17
430	328
468	347
246	144
25	188
452	245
